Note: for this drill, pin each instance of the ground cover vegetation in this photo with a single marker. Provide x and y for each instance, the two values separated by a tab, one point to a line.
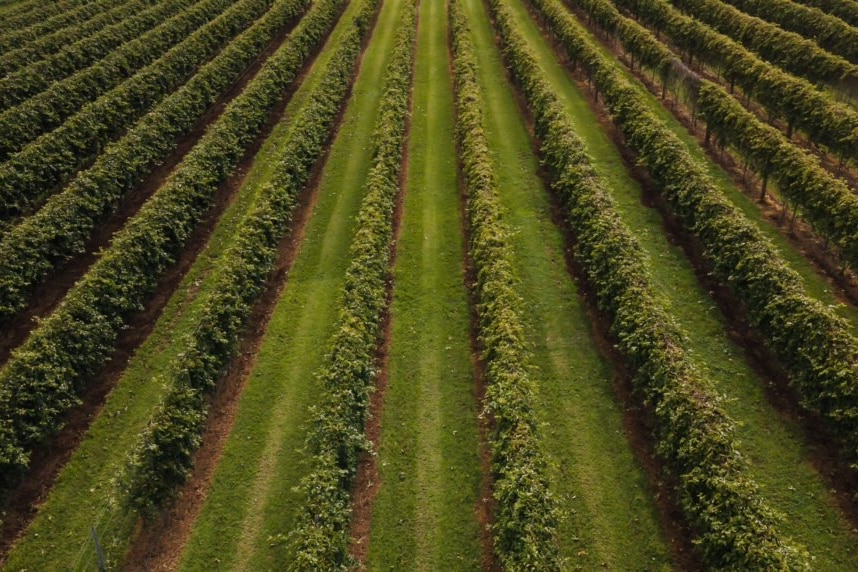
404	284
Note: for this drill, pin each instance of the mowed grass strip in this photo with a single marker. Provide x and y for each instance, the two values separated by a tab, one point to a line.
424	516
60	534
252	496
779	458
610	514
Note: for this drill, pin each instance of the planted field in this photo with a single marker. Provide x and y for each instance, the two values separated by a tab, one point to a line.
428	285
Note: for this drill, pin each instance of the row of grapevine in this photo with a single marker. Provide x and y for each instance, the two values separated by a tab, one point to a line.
40	168
162	458
846	10
69	13
46	45
335	438
733	526
829	32
827	202
44	376
811	342
787	50
30	250
32	105
799	103
526	516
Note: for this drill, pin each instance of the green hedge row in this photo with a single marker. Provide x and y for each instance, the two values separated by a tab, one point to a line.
788	50
60	229
83	33
39	169
48	91
526	517
831	33
163	456
811	342
336	438
795	100
44	376
57	17
733	527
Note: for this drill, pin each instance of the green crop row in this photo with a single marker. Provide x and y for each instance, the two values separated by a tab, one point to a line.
162	458
811	342
44	376
336	438
45	96
81	34
793	99
733	527
526	516
829	32
69	14
788	50
40	168
30	250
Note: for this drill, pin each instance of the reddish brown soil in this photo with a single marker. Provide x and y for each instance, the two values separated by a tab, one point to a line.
50	293
48	460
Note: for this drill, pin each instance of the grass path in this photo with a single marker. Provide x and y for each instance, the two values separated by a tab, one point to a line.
778	455
127	409
424	516
610	514
251	496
